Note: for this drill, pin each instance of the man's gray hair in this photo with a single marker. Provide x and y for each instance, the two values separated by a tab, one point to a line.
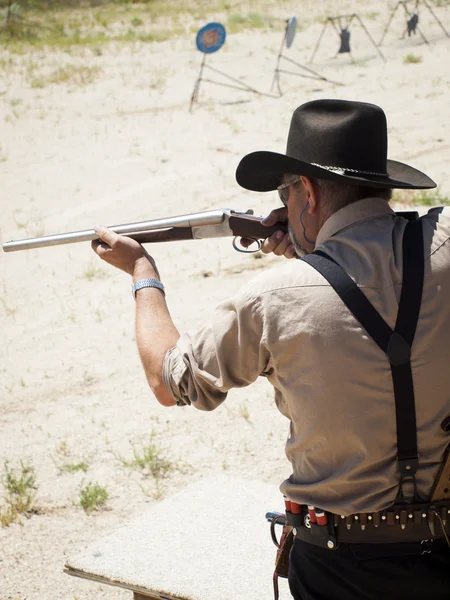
336	195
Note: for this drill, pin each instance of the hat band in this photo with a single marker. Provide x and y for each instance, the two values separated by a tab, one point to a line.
343	170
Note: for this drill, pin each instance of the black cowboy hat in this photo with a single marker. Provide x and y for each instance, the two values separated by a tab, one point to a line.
333	139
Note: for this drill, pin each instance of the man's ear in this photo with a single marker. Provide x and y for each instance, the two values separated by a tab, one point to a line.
311	193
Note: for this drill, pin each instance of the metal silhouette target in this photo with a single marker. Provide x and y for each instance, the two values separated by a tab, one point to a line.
210	38
290	31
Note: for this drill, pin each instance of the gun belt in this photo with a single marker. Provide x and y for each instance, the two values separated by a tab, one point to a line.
413	522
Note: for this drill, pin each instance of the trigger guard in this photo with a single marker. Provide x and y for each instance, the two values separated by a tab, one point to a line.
235	246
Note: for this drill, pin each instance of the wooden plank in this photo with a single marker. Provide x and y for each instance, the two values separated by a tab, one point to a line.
210	541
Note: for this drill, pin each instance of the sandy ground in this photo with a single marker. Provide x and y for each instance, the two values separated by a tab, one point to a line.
116	143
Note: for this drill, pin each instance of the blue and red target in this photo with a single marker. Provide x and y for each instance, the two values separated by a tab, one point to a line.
210	38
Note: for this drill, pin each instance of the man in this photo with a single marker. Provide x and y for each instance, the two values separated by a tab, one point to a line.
359	485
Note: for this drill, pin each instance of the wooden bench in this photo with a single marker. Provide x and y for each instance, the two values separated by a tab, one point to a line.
209	541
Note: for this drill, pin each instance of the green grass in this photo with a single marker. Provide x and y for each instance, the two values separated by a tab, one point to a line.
237	22
20	487
66	23
92	497
421	197
79	75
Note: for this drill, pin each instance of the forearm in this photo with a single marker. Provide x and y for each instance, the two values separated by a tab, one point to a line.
155	331
155	334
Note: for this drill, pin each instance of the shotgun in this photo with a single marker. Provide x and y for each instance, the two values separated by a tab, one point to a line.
197	226
223	222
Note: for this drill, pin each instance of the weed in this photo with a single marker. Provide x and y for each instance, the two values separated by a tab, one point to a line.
412	59
37	84
92	271
150	457
74	467
3	155
88	379
92	496
20	489
157	493
63	448
79	74
9	310
244	412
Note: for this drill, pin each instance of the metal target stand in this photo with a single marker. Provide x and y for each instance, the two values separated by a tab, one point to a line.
344	34
210	39
288	38
412	19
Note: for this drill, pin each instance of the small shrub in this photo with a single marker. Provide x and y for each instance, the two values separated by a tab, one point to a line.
150	457
20	489
412	59
92	496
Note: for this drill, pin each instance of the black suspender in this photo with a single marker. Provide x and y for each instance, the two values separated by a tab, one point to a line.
395	343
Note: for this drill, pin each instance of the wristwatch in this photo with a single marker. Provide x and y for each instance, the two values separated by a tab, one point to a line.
145	283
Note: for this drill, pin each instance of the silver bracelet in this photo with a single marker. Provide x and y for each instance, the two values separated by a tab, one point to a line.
145	283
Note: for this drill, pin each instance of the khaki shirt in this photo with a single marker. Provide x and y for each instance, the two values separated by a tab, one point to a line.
330	379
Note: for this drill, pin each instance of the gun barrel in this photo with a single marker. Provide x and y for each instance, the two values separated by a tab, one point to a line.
210	217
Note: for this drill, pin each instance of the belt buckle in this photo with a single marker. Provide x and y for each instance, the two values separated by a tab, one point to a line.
425	546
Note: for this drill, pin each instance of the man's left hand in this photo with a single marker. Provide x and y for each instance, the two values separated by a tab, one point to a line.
123	253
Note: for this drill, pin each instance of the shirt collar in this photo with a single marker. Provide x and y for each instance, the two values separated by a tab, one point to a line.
362	210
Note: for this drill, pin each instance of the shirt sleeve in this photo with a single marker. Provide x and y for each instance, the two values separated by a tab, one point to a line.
229	352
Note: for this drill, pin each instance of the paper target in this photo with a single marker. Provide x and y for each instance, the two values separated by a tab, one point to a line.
210	38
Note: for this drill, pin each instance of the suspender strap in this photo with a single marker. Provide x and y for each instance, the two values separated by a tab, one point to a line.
395	343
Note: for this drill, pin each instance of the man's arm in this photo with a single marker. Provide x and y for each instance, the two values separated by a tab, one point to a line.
155	330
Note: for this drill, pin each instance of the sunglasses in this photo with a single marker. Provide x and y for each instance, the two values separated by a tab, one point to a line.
283	190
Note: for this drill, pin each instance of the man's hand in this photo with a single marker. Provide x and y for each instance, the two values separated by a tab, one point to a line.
279	243
124	253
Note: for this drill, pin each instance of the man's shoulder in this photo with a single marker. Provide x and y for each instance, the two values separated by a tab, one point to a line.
437	214
436	228
294	273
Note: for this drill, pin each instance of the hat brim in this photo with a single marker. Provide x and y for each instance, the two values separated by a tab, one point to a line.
262	171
